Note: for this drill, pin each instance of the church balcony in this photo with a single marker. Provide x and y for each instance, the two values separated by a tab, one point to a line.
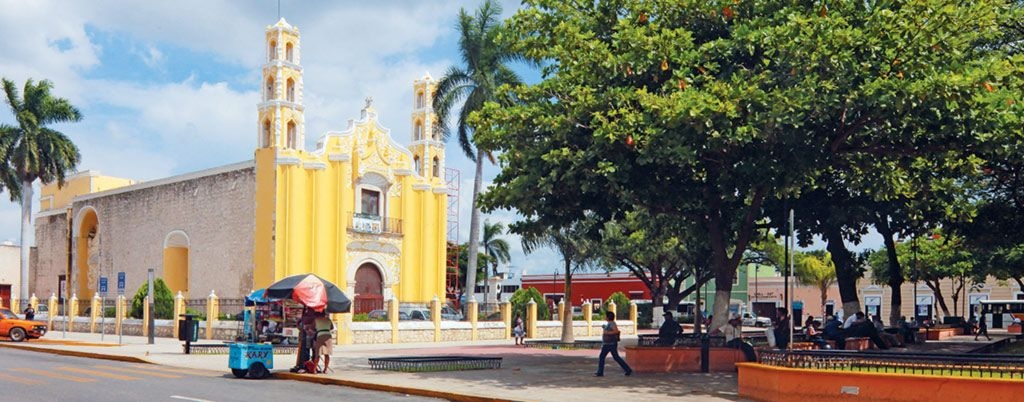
374	224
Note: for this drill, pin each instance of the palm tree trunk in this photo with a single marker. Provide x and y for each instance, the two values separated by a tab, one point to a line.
474	228
26	227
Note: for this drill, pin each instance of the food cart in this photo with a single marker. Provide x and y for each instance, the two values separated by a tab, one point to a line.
250	358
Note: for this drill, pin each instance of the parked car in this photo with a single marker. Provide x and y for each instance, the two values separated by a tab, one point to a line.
381	314
448	313
17	329
753	320
423	314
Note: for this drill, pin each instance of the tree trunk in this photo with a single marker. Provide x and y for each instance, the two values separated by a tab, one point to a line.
824	297
846	271
938	296
567	335
895	279
26	231
474	230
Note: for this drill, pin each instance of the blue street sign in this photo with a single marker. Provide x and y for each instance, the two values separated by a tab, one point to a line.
120	283
103	285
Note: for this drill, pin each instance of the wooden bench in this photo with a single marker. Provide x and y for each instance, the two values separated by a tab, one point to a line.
680	359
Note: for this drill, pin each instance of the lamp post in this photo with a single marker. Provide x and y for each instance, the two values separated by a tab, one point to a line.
913	276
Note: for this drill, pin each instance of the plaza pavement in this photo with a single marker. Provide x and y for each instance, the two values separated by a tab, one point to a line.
526	374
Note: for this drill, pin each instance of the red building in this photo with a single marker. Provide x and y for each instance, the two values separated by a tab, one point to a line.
588	287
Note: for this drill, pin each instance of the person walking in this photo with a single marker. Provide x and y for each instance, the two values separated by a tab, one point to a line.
30	313
610	344
982	328
518	331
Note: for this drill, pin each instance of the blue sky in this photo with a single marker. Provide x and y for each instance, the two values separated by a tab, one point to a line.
171	87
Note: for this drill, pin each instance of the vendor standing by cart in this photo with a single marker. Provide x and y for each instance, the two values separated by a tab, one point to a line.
307	333
324	344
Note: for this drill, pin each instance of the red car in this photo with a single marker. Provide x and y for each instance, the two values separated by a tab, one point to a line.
18	329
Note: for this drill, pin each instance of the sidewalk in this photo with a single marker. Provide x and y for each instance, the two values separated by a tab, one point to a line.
526	374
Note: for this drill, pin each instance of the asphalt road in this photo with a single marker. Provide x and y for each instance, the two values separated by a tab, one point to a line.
31	376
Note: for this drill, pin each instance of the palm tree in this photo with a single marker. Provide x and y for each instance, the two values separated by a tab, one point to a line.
577	254
816	269
33	151
462	91
495	248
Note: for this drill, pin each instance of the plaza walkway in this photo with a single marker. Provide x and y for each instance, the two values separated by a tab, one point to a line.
527	374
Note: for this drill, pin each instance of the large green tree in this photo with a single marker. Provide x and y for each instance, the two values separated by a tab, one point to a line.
660	251
33	151
703	110
465	89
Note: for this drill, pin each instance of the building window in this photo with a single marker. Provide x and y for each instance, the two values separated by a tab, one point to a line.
288	51
292	136
268	92
291	90
635	295
418	133
436	167
370	202
272	51
418	165
267	139
419	100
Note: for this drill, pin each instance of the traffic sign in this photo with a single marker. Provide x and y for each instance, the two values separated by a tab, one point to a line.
120	283
103	285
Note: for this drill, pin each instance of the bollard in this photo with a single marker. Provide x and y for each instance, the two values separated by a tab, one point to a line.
212	310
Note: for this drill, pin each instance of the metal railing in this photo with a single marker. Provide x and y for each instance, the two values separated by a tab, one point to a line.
434	363
990	366
716	341
374	224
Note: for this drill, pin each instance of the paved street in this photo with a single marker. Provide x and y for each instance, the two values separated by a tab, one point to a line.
30	376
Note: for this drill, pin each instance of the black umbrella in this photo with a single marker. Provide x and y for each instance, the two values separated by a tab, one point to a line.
312	291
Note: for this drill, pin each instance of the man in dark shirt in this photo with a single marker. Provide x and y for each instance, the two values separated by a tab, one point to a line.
669	331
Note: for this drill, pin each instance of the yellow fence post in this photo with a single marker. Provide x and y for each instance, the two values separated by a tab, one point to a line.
15	304
34	302
212	310
588	314
506	317
145	317
435	316
120	311
633	315
179	309
51	305
474	316
95	311
531	319
615	309
393	318
343	322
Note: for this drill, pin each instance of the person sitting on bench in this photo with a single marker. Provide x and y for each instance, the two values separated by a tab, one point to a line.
669	331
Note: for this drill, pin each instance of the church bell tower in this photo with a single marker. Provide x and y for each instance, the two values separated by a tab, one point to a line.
281	120
426	145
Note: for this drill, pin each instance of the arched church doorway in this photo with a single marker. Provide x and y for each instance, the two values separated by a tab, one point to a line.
87	256
176	246
369	290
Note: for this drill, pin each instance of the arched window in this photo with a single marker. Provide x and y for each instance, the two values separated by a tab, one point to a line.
436	167
419	100
418	134
418	165
291	90
272	51
292	137
267	139
268	92
288	51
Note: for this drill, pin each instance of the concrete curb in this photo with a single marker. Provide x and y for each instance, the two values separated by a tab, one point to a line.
76	353
312	378
451	396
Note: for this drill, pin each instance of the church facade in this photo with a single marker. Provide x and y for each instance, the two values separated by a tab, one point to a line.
361	210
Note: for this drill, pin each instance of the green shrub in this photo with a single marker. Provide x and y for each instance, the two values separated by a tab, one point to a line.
110	312
520	299
197	315
621	306
163	300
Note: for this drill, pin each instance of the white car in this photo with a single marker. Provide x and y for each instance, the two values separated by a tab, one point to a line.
753	320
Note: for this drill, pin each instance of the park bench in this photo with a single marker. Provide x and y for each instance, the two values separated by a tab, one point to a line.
679	359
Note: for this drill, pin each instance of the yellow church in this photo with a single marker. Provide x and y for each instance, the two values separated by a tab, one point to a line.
361	210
